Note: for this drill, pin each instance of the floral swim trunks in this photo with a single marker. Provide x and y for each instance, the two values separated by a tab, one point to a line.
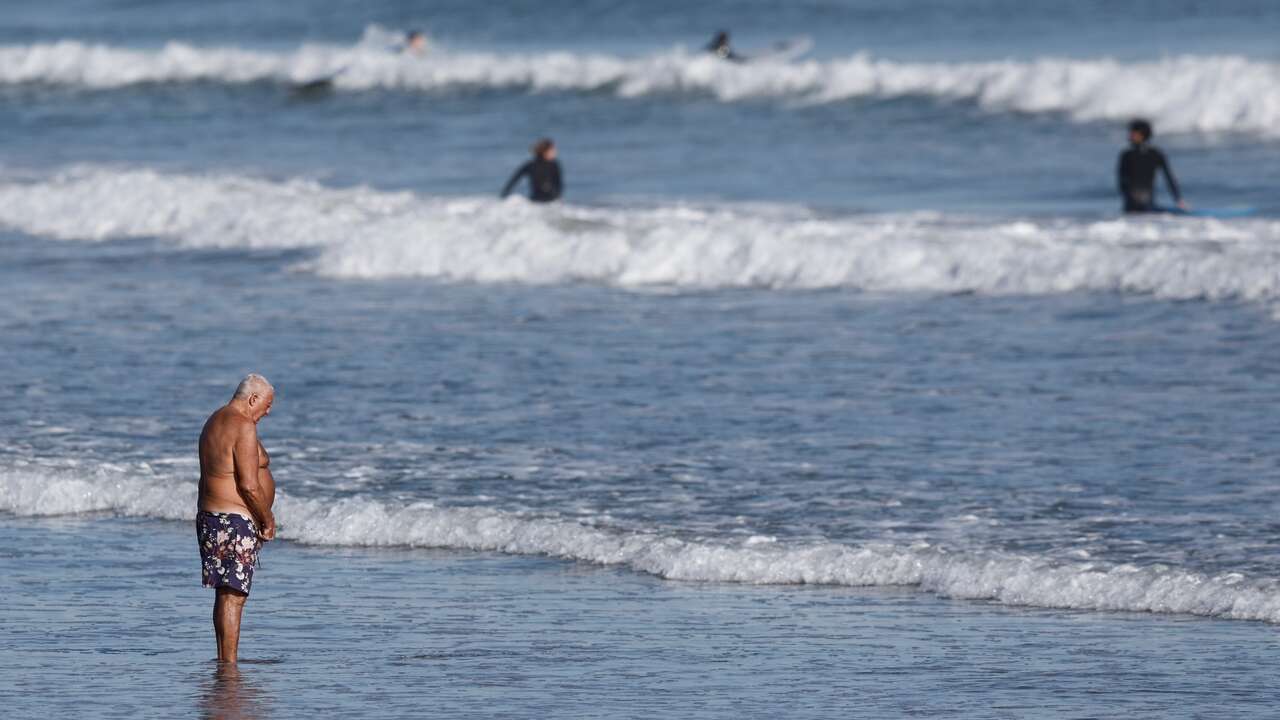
229	547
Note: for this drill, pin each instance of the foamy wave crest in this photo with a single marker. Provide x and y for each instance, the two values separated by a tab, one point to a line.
1189	93
365	233
1001	577
70	488
198	211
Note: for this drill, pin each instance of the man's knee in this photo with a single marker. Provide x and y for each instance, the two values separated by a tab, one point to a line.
231	597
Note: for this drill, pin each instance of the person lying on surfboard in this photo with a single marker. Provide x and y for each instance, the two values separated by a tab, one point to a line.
414	43
1136	172
781	51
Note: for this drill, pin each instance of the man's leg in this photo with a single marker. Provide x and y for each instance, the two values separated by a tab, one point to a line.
227	606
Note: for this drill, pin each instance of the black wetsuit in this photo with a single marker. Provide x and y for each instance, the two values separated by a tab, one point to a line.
721	49
1136	175
545	184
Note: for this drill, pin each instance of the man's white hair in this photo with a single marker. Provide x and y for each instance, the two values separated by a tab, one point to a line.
253	384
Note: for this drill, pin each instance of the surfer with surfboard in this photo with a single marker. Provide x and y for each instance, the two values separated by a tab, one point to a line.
414	44
782	51
1136	176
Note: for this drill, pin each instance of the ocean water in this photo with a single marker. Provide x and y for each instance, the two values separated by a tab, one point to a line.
836	384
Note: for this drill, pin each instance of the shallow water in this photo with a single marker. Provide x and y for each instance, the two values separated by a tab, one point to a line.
401	633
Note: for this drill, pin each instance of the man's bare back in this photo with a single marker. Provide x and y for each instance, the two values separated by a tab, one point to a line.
234	472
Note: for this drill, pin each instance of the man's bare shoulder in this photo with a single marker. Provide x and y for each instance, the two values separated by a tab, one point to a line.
226	421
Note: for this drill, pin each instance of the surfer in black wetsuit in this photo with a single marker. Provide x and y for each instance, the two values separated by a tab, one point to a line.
545	183
719	46
1136	172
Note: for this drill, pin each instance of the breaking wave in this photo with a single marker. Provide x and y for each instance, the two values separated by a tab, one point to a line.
366	233
1186	93
1026	580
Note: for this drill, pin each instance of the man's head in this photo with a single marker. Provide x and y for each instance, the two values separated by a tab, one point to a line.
545	149
415	41
255	394
1139	131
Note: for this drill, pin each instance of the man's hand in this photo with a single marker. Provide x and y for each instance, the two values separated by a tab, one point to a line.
1184	205
268	531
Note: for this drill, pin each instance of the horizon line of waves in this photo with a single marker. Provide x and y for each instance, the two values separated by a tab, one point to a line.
1209	94
1018	580
363	233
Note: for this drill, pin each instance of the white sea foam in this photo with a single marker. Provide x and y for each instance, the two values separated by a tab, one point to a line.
137	491
1186	93
365	233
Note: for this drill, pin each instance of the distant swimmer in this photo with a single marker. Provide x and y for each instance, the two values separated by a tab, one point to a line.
415	43
545	183
234	517
719	46
1136	172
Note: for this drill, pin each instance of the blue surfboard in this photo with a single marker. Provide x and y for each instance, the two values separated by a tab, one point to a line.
1220	213
318	86
784	50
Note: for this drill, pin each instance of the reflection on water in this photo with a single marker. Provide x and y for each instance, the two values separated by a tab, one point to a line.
231	694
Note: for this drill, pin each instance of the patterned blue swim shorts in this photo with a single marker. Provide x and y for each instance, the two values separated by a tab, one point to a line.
229	547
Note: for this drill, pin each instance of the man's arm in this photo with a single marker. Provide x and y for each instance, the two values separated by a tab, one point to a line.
245	455
1168	176
1122	174
520	172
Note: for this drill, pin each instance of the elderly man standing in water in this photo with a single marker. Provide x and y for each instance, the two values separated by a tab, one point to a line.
236	494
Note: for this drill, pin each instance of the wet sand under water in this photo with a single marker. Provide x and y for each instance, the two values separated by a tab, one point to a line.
106	618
